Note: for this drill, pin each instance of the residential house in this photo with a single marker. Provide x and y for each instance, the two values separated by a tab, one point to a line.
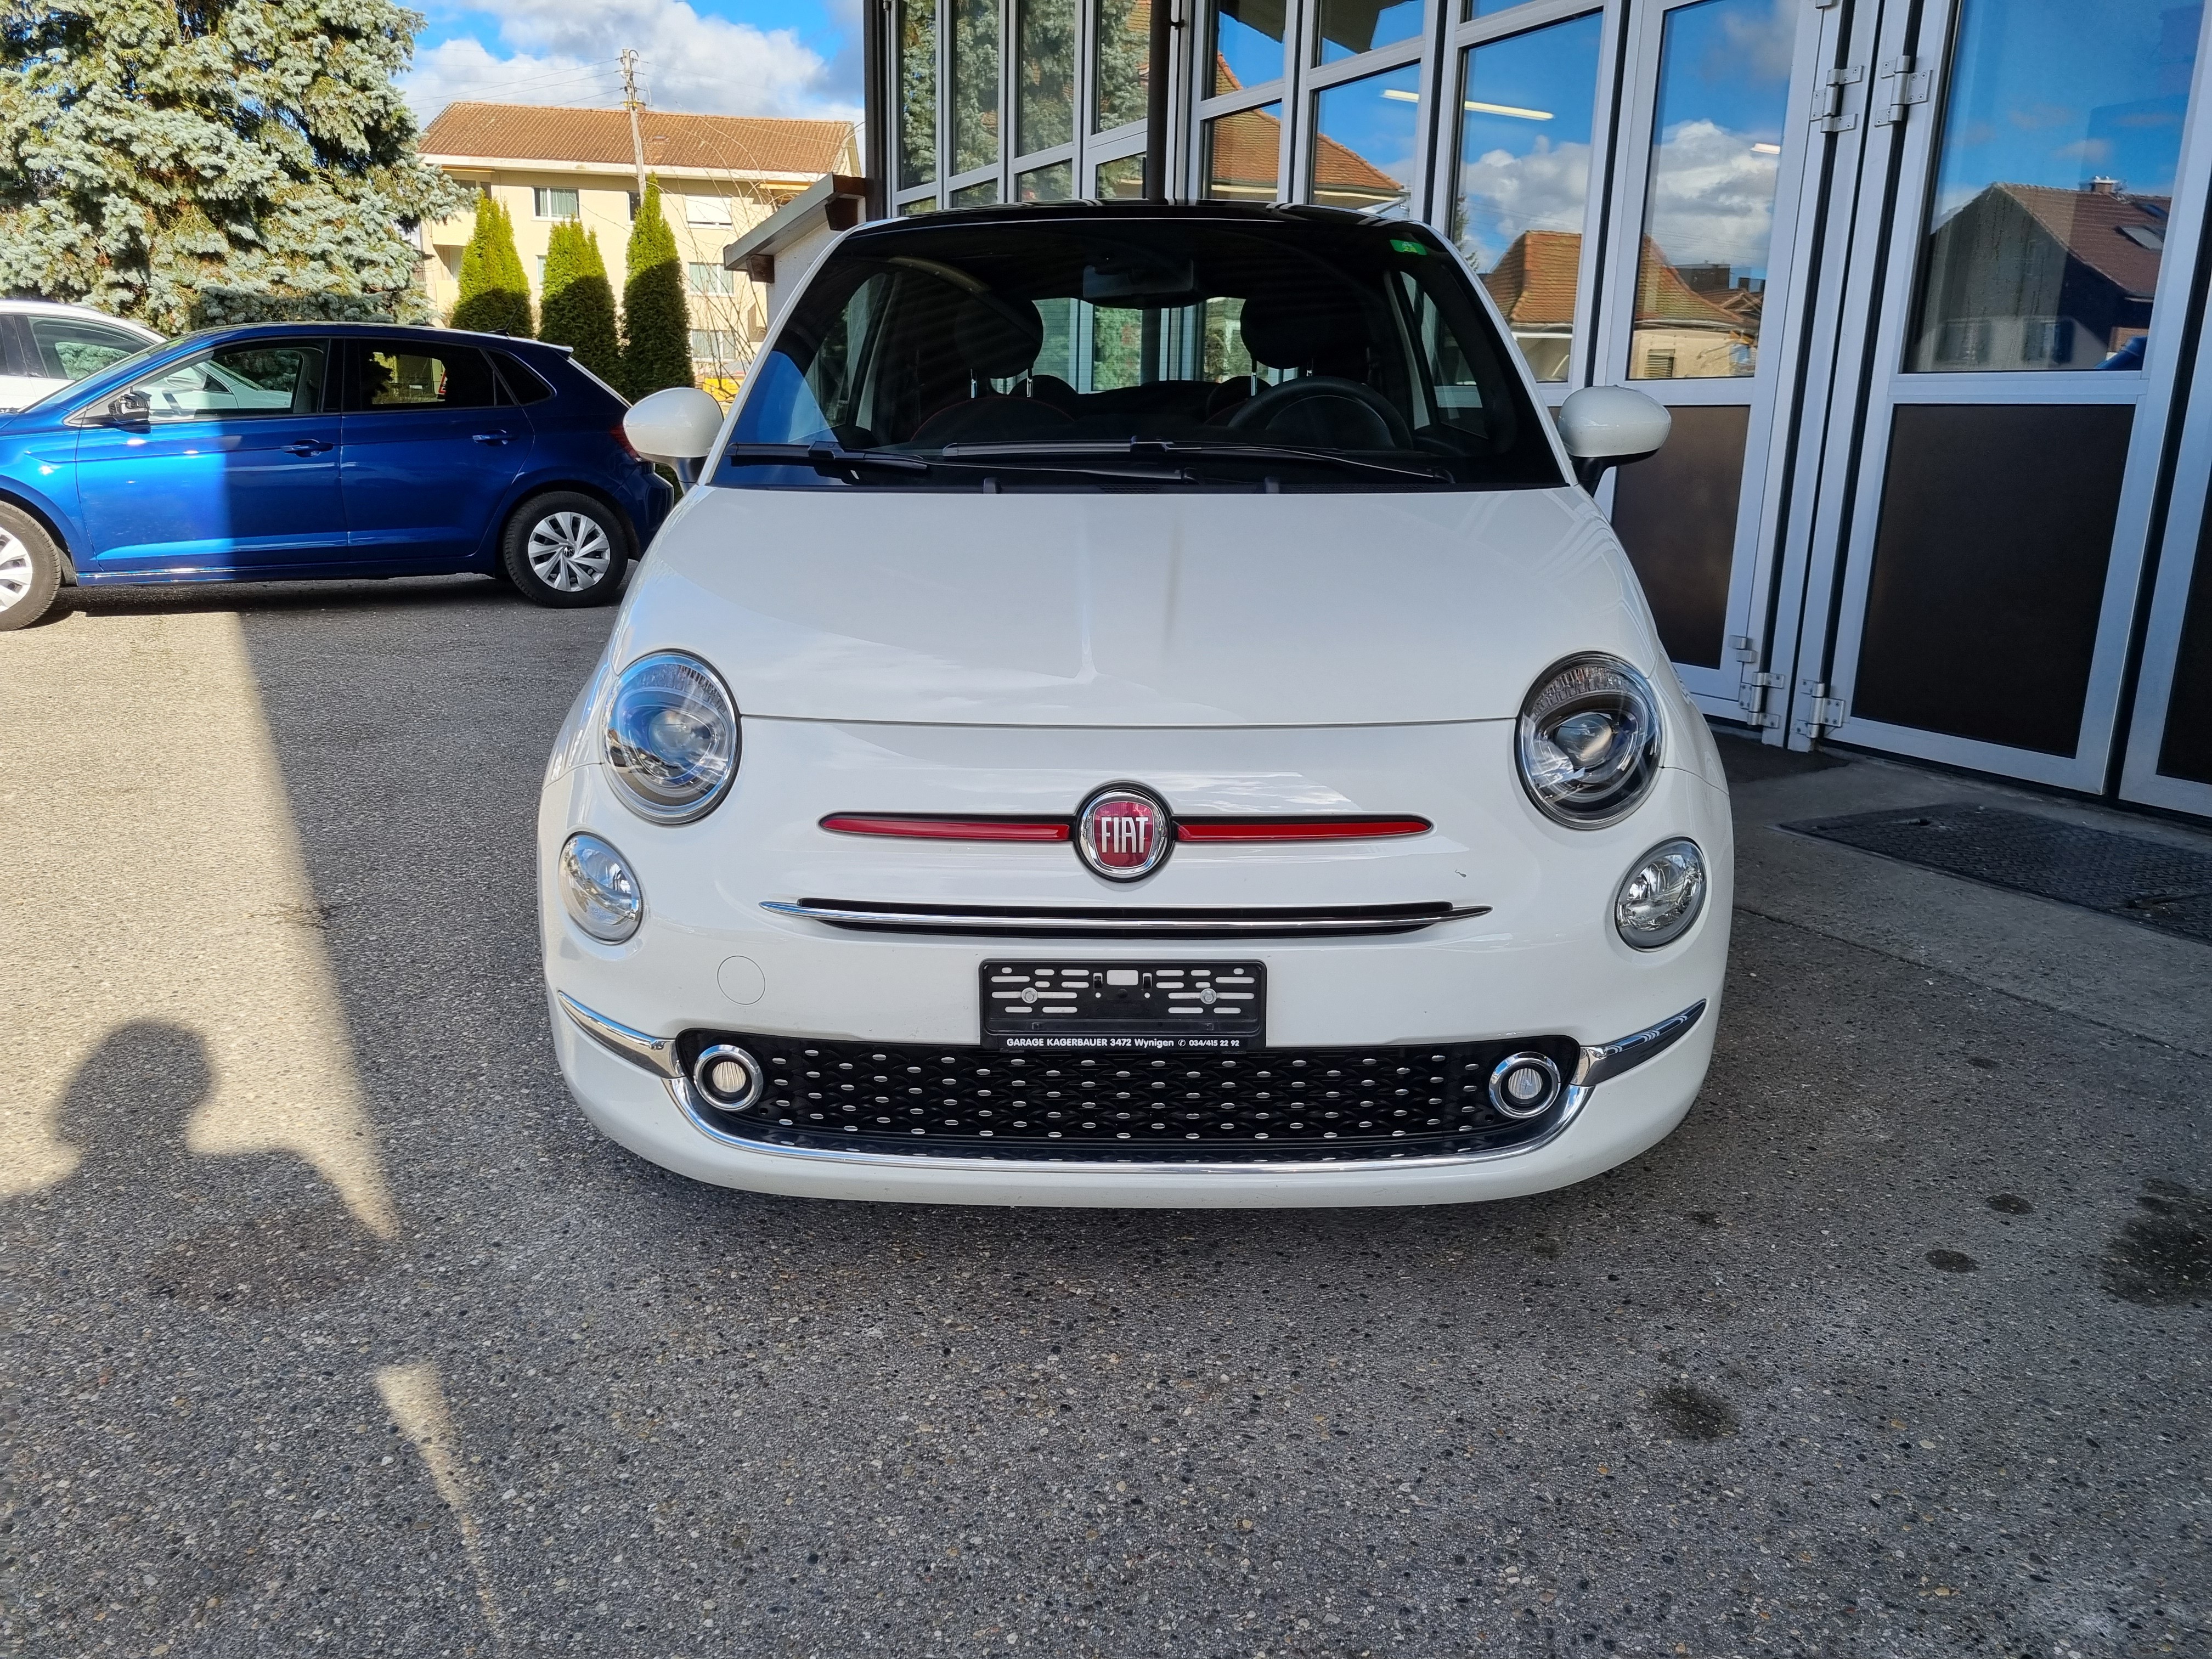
719	174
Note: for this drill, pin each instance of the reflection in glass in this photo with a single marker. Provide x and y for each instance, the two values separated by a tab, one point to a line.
1526	105
1243	155
1708	209
1366	135
1044	74
2061	133
1123	45
974	83
920	205
1053	184
985	194
1248	43
1474	8
917	97
1120	180
1348	28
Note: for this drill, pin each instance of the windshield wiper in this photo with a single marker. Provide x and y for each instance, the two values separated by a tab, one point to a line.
834	460
1167	450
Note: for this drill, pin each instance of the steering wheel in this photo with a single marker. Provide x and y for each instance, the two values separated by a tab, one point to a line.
1261	412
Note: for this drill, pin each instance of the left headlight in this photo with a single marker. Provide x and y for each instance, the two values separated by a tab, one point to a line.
671	738
1589	741
1661	899
599	890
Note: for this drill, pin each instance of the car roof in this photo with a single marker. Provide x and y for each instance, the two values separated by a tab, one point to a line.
1126	207
62	308
349	330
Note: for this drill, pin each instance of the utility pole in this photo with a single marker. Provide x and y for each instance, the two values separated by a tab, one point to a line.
632	103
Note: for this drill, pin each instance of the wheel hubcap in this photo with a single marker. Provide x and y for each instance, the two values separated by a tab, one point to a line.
14	569
570	551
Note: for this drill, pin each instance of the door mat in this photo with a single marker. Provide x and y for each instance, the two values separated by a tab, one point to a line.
2152	881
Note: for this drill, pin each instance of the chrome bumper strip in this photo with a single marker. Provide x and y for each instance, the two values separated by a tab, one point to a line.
656	1055
1192	924
1609	1059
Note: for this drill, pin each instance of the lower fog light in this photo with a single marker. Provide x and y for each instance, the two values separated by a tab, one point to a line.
1659	900
728	1077
1524	1084
599	890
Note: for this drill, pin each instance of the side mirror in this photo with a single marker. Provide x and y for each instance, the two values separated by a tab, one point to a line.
133	411
1609	426
676	426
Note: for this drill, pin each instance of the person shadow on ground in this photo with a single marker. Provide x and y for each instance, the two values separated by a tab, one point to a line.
200	1453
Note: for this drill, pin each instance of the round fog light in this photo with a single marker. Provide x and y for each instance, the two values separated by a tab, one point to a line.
599	890
1662	896
727	1076
1524	1084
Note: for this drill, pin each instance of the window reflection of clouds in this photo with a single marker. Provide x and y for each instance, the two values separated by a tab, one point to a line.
1518	172
1366	136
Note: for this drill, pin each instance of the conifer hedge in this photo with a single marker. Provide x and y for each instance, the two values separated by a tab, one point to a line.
494	292
656	317
579	306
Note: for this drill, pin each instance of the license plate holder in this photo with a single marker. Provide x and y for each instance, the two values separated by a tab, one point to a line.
1063	1006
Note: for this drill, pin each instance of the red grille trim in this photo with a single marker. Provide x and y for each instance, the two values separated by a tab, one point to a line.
1303	828
924	826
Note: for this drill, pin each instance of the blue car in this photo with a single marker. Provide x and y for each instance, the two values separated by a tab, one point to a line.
319	450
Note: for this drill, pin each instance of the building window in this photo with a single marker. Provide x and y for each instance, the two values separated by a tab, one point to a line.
707	210
1527	107
716	345
1363	129
974	84
555	203
917	91
1123	42
1044	74
710	278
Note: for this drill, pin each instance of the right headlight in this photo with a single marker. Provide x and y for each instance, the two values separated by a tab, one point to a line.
1589	741
671	738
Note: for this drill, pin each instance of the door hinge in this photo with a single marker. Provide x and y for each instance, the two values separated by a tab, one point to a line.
1828	102
1907	85
1823	711
1751	697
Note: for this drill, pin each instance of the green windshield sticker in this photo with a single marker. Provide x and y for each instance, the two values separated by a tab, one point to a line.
1404	244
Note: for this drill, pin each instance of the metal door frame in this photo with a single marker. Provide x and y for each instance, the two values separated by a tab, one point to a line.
1896	177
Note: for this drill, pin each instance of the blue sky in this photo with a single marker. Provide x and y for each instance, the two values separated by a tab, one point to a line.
710	56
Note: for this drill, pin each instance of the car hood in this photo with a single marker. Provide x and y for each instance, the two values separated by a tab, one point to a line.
1135	609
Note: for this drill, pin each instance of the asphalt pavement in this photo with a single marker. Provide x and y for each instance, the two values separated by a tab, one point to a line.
330	1326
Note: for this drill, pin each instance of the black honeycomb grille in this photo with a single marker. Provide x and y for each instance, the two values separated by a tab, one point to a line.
1268	1105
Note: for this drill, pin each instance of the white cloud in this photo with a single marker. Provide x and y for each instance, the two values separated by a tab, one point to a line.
1712	197
1507	194
563	52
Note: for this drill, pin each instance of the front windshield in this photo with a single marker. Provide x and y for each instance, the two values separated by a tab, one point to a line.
1094	350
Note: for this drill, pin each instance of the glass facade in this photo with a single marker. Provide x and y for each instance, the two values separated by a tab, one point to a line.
1986	191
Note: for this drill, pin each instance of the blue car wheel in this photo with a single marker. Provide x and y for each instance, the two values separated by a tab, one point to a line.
565	550
30	569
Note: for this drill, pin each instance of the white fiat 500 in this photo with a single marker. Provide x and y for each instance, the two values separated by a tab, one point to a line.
1137	710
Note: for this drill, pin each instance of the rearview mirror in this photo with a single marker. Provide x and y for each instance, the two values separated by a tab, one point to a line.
678	425
1610	426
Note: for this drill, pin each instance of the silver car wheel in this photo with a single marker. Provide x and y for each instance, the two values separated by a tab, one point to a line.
16	572
569	552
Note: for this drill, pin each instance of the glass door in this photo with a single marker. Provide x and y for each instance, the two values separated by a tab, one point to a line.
1696	312
2020	328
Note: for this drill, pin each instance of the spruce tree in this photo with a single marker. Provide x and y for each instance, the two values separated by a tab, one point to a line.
656	317
194	161
578	310
494	292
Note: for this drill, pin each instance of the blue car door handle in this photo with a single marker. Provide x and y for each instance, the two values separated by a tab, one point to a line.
494	439
309	446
